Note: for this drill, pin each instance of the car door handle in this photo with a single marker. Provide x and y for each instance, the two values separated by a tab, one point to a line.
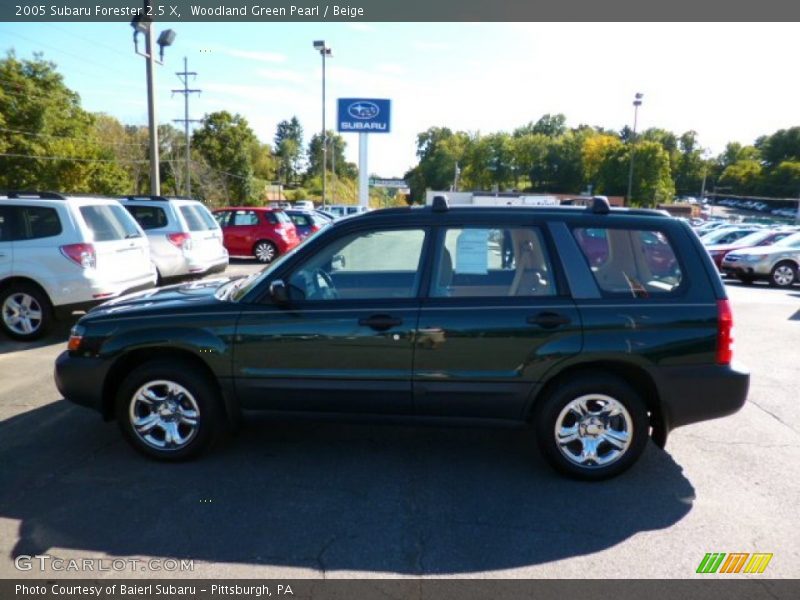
380	322
549	320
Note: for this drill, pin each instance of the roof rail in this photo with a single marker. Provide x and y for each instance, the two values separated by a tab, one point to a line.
600	205
440	204
33	194
145	197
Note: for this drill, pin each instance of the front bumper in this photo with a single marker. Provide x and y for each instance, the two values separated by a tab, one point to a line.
80	380
698	393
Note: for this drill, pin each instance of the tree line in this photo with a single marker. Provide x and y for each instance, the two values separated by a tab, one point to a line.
547	156
49	142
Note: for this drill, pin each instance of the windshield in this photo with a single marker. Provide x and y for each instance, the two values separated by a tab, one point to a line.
752	239
236	289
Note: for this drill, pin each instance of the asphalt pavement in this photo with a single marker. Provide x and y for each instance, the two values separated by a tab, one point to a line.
284	500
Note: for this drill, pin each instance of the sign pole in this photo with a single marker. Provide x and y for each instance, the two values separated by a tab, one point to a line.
363	172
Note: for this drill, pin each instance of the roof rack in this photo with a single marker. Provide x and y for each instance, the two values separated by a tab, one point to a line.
600	205
440	204
143	197
16	194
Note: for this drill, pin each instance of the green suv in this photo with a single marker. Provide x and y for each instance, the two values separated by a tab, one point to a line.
596	328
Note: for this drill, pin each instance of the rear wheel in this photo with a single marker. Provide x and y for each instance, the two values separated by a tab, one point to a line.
783	274
169	410
265	251
593	427
25	312
745	279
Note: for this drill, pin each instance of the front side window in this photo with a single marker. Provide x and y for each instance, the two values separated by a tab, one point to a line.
6	217
497	262
109	222
633	262
364	265
300	220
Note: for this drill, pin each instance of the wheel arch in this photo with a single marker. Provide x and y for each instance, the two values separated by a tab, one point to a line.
16	279
635	375
134	358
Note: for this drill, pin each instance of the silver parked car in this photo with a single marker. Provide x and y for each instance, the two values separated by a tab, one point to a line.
777	263
185	239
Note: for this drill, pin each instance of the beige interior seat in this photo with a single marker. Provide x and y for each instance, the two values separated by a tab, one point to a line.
532	277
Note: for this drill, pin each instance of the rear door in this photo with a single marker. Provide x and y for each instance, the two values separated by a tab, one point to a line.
496	318
6	237
122	249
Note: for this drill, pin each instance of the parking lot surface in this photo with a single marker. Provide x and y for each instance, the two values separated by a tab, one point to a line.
362	500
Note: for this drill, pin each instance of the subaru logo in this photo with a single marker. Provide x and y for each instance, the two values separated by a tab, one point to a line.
363	110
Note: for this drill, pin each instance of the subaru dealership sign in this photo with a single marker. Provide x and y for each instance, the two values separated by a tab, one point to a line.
364	115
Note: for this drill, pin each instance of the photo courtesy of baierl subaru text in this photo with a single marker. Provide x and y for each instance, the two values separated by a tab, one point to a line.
413	300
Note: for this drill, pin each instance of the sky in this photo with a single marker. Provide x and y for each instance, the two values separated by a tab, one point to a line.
728	82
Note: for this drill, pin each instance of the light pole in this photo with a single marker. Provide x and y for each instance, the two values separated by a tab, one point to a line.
333	169
143	24
637	102
325	52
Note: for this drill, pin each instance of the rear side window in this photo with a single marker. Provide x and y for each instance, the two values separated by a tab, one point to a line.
148	217
244	217
476	262
198	218
633	262
38	222
222	217
301	220
109	222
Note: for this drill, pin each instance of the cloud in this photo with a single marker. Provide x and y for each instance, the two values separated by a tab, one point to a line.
281	75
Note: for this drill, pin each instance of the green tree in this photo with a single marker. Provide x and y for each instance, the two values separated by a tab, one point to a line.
743	176
289	149
336	157
783	145
224	142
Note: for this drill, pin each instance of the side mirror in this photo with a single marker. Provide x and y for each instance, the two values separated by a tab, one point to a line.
279	292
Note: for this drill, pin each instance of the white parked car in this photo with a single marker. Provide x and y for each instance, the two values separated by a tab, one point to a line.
345	210
304	205
62	254
185	239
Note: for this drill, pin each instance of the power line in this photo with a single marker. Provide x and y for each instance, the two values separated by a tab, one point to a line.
184	79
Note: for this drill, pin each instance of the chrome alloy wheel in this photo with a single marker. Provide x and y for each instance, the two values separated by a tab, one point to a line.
22	314
265	252
164	415
783	275
594	430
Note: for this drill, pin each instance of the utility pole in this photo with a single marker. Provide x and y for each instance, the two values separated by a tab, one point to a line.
184	79
637	102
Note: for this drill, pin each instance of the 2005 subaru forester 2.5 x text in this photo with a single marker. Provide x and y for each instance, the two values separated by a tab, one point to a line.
597	327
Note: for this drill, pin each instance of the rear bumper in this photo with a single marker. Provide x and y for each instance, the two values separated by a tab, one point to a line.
64	311
699	393
80	380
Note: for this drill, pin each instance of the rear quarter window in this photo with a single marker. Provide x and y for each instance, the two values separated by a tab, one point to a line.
197	218
631	262
108	222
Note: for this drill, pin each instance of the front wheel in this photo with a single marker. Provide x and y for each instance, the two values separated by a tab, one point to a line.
783	274
169	410
593	427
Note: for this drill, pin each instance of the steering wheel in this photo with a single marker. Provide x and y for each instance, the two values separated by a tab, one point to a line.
323	285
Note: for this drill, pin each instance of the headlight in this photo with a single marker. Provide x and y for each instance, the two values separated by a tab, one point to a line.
754	257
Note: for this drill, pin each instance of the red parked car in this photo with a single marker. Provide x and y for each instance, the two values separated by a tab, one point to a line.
265	233
764	237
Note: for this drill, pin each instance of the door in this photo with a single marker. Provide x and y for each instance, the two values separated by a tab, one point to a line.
240	232
6	245
495	320
344	341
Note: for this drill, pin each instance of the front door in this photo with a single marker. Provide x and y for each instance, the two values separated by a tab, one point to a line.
344	342
495	320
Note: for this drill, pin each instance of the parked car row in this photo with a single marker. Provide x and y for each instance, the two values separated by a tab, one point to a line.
755	252
759	206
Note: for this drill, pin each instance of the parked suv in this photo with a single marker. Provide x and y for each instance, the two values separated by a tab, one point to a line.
60	254
265	233
184	238
477	314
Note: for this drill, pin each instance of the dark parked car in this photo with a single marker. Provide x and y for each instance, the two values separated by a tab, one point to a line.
265	233
486	315
307	222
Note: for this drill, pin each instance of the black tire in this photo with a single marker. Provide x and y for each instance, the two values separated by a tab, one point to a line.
199	391
29	298
265	251
549	410
745	279
783	275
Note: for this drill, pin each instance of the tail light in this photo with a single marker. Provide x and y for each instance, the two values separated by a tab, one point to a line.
724	333
314	228
82	255
180	240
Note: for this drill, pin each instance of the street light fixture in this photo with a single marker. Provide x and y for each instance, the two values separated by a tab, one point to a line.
144	25
637	102
325	52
